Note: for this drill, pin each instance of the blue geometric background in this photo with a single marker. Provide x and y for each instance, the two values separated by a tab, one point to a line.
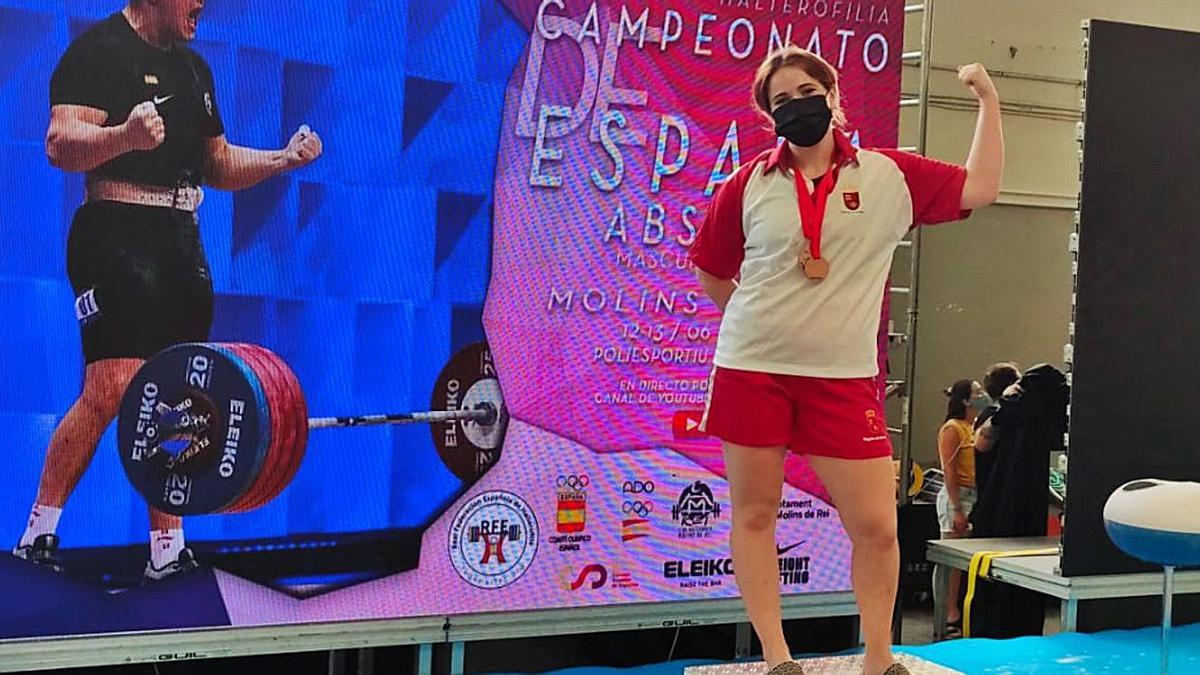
364	271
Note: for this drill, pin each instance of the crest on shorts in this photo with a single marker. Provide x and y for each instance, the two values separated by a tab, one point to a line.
874	424
851	200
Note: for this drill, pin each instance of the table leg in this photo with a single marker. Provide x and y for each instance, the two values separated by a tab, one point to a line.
366	662
337	662
1070	615
941	589
424	665
742	641
457	656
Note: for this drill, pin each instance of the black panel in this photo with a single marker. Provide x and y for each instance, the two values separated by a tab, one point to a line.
1135	409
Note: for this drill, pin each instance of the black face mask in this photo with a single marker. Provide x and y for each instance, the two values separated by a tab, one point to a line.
803	121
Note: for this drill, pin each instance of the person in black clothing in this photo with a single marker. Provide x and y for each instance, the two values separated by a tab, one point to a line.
135	110
1013	498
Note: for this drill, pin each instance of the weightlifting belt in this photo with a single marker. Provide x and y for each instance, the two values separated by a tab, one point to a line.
182	197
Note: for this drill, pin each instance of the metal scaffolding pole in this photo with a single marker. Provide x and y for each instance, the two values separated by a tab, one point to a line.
911	292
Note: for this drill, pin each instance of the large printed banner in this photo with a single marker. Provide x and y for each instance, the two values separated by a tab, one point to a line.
617	127
505	201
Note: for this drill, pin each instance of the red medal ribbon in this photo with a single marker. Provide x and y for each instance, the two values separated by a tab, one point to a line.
812	207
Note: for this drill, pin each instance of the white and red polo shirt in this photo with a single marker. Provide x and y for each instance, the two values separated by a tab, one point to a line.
778	320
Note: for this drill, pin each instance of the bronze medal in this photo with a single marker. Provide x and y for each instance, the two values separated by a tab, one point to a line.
815	268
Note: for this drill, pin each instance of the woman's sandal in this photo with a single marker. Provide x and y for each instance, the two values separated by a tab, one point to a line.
897	669
953	630
787	668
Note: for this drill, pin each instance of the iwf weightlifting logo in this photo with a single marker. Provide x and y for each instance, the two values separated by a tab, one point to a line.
493	539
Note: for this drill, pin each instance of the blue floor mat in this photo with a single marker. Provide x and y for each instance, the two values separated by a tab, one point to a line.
1118	651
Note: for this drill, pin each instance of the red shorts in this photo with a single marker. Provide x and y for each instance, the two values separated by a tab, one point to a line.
808	415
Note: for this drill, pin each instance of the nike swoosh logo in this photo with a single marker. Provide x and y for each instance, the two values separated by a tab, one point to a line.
780	550
159	100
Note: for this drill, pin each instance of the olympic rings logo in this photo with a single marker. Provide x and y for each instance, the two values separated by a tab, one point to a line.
640	509
574	482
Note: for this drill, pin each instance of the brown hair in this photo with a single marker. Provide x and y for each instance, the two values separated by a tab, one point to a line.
812	63
1000	377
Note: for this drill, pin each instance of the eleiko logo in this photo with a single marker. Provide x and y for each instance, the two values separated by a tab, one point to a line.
705	573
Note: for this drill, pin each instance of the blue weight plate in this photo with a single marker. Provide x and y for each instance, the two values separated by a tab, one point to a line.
193	429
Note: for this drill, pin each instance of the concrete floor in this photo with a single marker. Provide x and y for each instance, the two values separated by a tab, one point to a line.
917	628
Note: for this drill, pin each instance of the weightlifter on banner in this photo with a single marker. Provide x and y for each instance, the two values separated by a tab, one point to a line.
135	110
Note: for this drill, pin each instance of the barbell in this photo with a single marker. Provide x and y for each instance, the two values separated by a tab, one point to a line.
223	428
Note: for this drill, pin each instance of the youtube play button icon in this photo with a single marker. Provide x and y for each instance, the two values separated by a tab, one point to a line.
686	425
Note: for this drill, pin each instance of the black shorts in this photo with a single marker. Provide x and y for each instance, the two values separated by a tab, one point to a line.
141	280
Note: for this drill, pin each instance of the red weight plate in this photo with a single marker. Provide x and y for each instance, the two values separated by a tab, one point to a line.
297	417
289	423
292	416
283	424
280	413
268	462
281	436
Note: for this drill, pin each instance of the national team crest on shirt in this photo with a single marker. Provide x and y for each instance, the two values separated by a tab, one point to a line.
851	200
208	103
150	79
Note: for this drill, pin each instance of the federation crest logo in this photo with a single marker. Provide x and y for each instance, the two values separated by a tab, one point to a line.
694	510
851	200
493	539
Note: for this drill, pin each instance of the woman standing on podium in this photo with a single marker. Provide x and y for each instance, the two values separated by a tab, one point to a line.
795	250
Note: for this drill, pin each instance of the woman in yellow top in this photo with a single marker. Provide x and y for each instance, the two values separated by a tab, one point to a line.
956	450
